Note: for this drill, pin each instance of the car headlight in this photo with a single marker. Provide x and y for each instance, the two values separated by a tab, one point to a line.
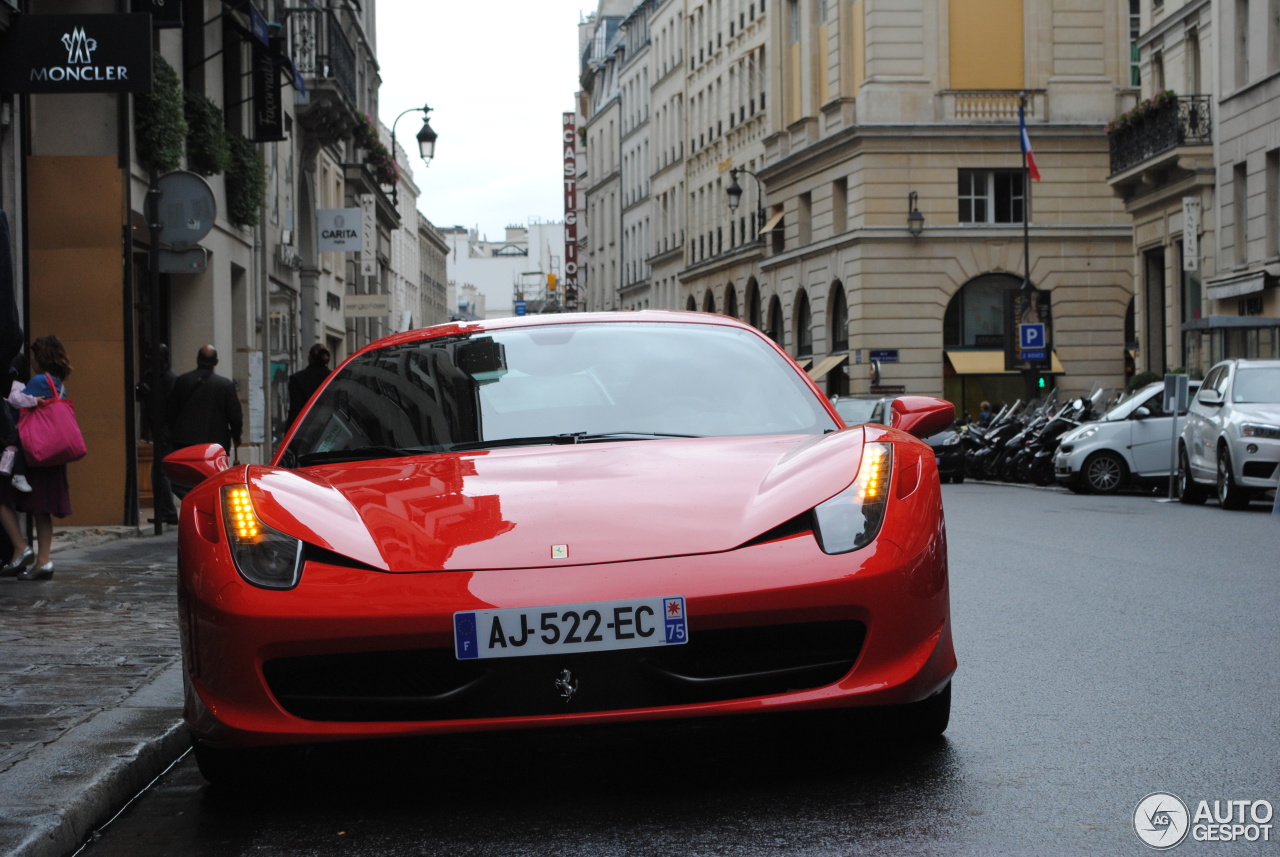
263	556
1256	430
852	518
1086	434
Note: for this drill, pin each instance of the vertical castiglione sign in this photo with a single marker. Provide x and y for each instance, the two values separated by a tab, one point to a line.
569	138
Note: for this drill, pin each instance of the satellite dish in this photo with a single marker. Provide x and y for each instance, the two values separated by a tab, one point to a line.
186	209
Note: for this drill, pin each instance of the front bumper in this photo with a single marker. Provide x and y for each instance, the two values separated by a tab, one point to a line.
250	654
1257	468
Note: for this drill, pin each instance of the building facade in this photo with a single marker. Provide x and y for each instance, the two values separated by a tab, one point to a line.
491	278
1197	163
873	151
268	105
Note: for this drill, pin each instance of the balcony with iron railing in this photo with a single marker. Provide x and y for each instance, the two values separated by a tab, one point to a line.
324	57
1157	127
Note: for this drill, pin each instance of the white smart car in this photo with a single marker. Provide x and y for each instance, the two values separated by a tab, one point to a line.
1231	440
1129	445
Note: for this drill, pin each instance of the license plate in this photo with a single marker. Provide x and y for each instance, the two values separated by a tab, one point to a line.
597	626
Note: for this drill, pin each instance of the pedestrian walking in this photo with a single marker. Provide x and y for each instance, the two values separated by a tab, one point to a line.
50	492
304	383
204	406
156	428
12	464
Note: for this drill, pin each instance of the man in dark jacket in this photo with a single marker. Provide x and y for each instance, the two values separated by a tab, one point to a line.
304	383
204	407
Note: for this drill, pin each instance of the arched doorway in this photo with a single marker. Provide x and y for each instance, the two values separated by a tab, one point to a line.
837	380
802	324
731	301
973	335
775	329
709	302
691	305
753	317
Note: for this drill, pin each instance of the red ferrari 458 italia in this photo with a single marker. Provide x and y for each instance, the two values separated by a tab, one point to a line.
557	520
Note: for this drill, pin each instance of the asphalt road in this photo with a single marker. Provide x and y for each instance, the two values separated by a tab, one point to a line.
1109	648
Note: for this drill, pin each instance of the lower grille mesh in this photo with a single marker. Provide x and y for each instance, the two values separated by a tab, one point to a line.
430	684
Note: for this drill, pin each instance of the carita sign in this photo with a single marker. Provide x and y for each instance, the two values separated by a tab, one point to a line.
339	230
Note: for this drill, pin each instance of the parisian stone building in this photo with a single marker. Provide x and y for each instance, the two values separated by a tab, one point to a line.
1197	164
873	148
269	105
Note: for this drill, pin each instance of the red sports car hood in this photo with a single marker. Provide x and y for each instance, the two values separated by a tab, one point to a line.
557	505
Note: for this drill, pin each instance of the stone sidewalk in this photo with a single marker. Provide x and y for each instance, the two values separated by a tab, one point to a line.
90	686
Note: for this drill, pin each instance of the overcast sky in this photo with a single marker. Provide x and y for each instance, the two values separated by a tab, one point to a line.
497	76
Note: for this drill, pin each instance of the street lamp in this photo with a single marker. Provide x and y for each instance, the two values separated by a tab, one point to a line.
426	144
733	195
915	220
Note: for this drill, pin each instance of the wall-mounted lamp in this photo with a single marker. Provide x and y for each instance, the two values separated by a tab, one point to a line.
915	220
733	196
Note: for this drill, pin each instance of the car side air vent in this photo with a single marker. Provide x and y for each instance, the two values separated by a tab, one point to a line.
802	523
314	553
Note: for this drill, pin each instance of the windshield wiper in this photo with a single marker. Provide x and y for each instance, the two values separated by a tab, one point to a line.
584	437
357	453
534	440
565	438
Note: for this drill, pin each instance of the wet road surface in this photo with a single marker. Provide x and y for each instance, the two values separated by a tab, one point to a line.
1109	648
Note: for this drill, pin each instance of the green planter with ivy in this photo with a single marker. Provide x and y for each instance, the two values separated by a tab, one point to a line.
246	182
160	126
207	150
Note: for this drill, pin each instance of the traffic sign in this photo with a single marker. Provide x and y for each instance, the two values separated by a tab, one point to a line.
1035	355
522	308
1031	336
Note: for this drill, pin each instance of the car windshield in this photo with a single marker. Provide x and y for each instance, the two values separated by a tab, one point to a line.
854	411
558	383
1116	410
1256	385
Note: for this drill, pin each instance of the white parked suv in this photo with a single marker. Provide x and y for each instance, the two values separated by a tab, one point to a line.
1130	445
1231	439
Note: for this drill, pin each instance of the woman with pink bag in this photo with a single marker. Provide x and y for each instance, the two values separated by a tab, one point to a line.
50	493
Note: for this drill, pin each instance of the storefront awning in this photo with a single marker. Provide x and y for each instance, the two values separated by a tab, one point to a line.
772	223
992	363
831	361
1236	285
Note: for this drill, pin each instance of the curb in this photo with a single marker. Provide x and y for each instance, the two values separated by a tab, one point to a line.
97	768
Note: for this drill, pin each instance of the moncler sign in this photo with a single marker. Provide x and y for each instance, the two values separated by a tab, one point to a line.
77	53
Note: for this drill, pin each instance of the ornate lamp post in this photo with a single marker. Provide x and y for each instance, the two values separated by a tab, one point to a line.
426	144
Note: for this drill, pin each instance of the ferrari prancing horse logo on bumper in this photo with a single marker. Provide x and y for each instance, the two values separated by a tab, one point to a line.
559	551
567	685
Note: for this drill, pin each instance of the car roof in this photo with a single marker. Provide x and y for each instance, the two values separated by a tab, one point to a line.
1249	363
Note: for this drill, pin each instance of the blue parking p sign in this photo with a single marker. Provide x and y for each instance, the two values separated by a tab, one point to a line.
1031	336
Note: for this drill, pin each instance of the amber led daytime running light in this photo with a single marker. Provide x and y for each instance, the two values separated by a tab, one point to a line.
873	474
242	521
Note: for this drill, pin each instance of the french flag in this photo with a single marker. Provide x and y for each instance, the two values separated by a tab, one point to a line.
1026	145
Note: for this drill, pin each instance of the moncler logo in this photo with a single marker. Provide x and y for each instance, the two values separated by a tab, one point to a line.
78	46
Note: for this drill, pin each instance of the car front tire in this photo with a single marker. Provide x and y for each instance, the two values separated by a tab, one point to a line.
925	719
242	767
1104	473
1190	492
1230	495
